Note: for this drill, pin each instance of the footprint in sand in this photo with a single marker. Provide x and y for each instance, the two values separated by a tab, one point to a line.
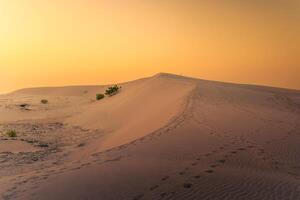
197	176
209	171
154	187
184	171
138	197
163	194
187	185
181	173
222	161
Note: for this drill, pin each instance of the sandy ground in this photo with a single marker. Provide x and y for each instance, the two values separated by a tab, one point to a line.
163	137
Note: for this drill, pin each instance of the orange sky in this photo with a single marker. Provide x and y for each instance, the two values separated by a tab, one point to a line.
67	42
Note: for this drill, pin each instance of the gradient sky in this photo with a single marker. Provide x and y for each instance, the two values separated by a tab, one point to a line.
67	42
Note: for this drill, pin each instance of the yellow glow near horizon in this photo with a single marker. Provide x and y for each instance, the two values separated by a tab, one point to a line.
53	42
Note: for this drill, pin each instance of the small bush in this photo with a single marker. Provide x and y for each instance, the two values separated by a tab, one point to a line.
24	105
112	90
99	96
44	101
11	133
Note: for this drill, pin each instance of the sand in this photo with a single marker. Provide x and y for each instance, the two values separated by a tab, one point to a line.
162	137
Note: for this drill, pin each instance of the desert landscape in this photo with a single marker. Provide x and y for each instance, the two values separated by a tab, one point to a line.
161	137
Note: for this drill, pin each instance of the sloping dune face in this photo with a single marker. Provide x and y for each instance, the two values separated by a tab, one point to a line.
126	116
171	137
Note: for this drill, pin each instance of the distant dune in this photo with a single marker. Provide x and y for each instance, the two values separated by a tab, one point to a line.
162	137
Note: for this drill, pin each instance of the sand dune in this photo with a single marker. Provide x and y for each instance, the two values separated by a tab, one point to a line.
162	137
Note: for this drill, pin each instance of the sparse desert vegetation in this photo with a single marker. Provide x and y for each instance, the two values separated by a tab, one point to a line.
99	96
11	133
110	91
44	101
24	105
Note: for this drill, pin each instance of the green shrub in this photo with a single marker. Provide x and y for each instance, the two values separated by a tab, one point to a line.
99	96
112	90
11	133
44	101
